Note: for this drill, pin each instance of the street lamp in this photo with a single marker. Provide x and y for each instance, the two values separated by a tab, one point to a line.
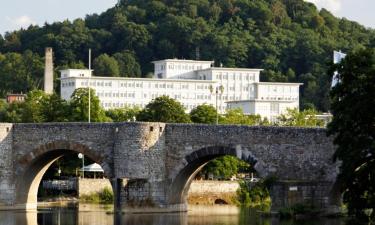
218	89
81	156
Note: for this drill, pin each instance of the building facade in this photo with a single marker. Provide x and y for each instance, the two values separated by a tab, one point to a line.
190	82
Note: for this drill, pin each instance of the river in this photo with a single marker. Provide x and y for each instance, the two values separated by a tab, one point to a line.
86	214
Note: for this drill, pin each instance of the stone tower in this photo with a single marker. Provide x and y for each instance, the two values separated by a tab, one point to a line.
48	71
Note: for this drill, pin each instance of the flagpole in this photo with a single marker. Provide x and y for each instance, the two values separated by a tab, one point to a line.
89	85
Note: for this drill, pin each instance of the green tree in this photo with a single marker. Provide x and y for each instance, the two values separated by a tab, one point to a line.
203	114
105	65
306	118
128	65
353	129
79	106
236	116
13	113
55	109
32	108
123	114
164	109
20	72
3	108
226	166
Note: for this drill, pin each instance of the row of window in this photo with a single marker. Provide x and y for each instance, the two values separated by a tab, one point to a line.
153	85
68	84
234	76
121	105
122	95
175	96
280	89
96	83
189	67
280	98
139	85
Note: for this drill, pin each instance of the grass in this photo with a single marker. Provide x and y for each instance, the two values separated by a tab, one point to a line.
103	197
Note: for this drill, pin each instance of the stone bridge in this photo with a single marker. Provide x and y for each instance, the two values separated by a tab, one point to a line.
152	164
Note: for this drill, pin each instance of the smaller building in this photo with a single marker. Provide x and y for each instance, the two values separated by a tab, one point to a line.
270	100
15	98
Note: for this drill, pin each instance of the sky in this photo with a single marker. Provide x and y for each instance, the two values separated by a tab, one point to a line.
361	11
15	14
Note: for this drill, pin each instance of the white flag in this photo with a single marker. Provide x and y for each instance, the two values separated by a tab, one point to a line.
337	58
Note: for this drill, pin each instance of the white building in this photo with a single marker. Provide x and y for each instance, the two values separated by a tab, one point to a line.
192	83
270	100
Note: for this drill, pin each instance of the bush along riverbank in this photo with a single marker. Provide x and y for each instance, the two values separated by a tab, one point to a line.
254	195
103	197
299	211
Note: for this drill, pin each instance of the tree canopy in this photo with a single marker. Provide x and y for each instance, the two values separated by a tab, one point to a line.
164	109
123	114
203	114
79	106
296	118
353	129
290	39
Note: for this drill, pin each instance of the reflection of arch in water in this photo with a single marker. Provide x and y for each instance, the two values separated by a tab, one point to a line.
194	162
36	163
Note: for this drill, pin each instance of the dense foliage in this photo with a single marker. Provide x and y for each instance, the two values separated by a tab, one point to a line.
226	166
39	107
353	127
204	114
236	116
123	114
290	39
296	118
164	109
254	195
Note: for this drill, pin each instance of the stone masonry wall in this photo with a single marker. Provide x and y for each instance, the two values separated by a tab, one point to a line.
284	152
87	186
6	164
93	140
201	187
140	158
210	192
149	156
288	193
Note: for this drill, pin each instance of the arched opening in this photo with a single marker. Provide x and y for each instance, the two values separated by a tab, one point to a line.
36	163
193	165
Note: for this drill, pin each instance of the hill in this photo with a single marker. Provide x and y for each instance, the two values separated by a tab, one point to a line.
290	39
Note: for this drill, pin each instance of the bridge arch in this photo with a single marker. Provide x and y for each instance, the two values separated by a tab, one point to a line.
36	162
184	173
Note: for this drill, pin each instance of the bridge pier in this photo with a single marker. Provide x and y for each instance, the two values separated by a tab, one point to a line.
318	194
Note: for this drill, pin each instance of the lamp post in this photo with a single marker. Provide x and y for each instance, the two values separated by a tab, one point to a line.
218	89
88	86
81	156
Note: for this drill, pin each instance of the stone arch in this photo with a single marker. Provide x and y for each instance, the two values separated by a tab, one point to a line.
184	173
34	164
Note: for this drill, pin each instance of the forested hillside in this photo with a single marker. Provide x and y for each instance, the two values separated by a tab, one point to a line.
290	39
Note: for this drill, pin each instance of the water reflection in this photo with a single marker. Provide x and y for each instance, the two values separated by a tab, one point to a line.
198	215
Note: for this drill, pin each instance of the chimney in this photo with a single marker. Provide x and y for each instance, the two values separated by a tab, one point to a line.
48	71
